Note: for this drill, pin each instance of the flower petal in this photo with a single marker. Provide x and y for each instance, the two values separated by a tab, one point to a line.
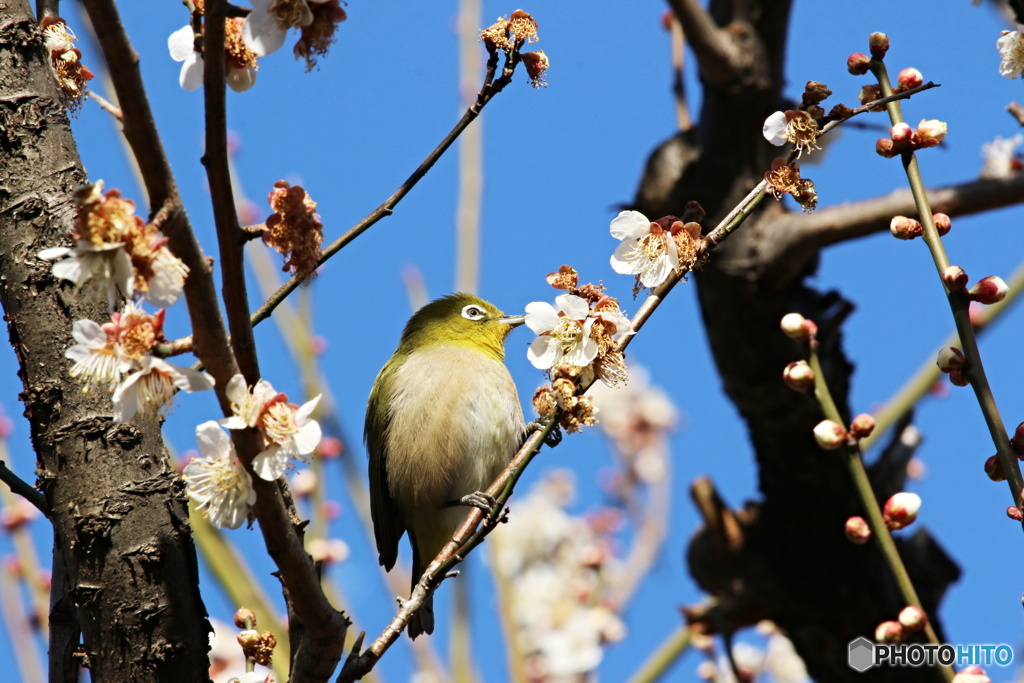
214	443
307	438
191	76
541	316
270	464
630	224
126	397
774	129
623	265
262	34
53	253
573	306
543	352
181	43
242	79
89	333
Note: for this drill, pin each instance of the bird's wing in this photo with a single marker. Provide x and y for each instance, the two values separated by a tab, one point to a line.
387	523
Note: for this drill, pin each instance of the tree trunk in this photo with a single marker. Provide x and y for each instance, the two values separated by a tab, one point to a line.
116	504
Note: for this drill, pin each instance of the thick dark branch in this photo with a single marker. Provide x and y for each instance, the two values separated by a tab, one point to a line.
23	489
801	236
141	134
717	53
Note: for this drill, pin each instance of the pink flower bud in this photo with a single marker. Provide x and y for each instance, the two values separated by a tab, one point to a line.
878	44
909	78
901	509
799	376
884	147
958	379
858	63
1017	441
795	326
905	228
971	674
1013	512
930	133
950	359
889	632
901	132
913	618
857	530
942	223
989	290
994	469
830	435
862	426
330	447
955	278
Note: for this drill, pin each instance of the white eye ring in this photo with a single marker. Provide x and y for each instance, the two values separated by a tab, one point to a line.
473	312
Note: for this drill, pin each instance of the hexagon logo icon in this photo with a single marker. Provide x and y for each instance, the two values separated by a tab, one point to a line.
862	654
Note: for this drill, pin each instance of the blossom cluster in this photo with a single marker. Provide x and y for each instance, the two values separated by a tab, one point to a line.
116	253
654	250
577	341
509	34
266	27
65	61
294	229
217	482
239	57
559	569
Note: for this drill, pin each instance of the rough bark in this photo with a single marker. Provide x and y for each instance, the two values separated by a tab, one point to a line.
791	563
118	511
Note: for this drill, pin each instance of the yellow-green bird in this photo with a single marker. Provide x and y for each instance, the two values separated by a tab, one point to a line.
442	421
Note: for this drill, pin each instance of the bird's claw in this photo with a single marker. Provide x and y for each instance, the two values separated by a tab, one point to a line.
553	438
481	500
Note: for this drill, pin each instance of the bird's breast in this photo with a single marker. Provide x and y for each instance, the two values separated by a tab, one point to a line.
455	421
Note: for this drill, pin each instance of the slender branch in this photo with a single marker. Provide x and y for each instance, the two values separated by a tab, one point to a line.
662	659
316	629
851	455
918	386
717	55
107	105
958	303
490	88
21	487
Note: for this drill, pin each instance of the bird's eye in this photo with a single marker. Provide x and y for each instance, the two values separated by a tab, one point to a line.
472	312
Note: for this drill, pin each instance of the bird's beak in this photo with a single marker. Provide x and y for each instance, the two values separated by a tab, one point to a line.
512	320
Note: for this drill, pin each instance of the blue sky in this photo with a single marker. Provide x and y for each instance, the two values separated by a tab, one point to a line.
558	161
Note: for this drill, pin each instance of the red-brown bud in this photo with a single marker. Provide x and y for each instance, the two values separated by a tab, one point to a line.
878	44
857	530
858	63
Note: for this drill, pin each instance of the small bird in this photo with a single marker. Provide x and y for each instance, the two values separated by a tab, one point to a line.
442	422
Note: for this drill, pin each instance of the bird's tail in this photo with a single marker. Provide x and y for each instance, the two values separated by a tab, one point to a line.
423	620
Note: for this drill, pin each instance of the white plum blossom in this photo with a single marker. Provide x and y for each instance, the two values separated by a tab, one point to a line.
774	129
1011	53
102	272
563	333
266	26
647	250
287	429
98	359
181	45
151	388
217	482
999	156
241	68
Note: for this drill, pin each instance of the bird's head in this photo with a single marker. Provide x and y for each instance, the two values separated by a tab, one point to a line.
460	319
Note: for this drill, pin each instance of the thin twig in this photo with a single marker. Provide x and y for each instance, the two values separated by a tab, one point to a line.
18	485
959	305
662	659
106	105
490	88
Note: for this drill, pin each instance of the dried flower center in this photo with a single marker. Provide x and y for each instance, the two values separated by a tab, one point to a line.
279	422
802	131
291	13
137	340
239	56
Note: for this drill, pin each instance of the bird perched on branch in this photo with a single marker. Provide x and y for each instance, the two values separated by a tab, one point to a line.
442	421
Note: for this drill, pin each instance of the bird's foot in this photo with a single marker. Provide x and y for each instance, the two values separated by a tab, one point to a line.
481	500
553	438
